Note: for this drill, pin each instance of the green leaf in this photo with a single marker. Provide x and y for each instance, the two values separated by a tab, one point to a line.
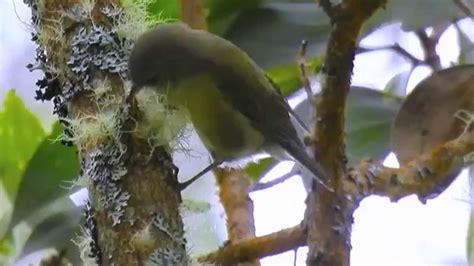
256	170
164	8
20	134
42	203
272	33
6	251
369	118
21	232
54	225
287	77
223	13
398	84
52	169
5	212
5	247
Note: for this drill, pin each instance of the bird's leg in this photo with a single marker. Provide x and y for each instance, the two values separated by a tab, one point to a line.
184	185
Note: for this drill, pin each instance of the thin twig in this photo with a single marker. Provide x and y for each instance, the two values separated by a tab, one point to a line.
234	187
427	176
269	184
295	257
396	48
428	43
329	215
302	66
464	7
300	58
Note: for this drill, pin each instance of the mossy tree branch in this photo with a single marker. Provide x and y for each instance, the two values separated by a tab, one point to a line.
329	215
234	187
427	176
132	216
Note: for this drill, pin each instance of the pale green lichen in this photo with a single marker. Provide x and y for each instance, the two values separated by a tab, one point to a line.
83	243
81	181
467	117
143	240
469	158
105	124
168	256
93	129
103	88
52	34
194	206
88	6
162	125
134	19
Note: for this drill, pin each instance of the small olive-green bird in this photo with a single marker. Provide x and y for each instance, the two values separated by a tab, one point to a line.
233	106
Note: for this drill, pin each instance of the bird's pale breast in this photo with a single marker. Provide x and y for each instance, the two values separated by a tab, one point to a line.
223	130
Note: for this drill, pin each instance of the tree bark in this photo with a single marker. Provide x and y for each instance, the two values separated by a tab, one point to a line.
132	216
329	214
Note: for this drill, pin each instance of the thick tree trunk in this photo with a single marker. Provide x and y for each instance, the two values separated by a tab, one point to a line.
132	217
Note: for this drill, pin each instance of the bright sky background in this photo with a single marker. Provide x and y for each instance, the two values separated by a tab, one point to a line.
384	233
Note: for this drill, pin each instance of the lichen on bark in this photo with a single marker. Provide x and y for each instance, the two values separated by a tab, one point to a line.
83	49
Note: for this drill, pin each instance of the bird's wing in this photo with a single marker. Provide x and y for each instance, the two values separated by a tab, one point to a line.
266	109
268	112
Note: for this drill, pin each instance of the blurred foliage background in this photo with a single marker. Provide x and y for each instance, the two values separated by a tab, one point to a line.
37	171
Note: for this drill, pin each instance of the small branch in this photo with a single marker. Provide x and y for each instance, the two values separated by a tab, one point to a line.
295	257
396	48
466	9
427	176
259	247
428	43
302	66
234	187
274	182
328	216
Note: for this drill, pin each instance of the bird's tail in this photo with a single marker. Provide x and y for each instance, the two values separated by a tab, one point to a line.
299	154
